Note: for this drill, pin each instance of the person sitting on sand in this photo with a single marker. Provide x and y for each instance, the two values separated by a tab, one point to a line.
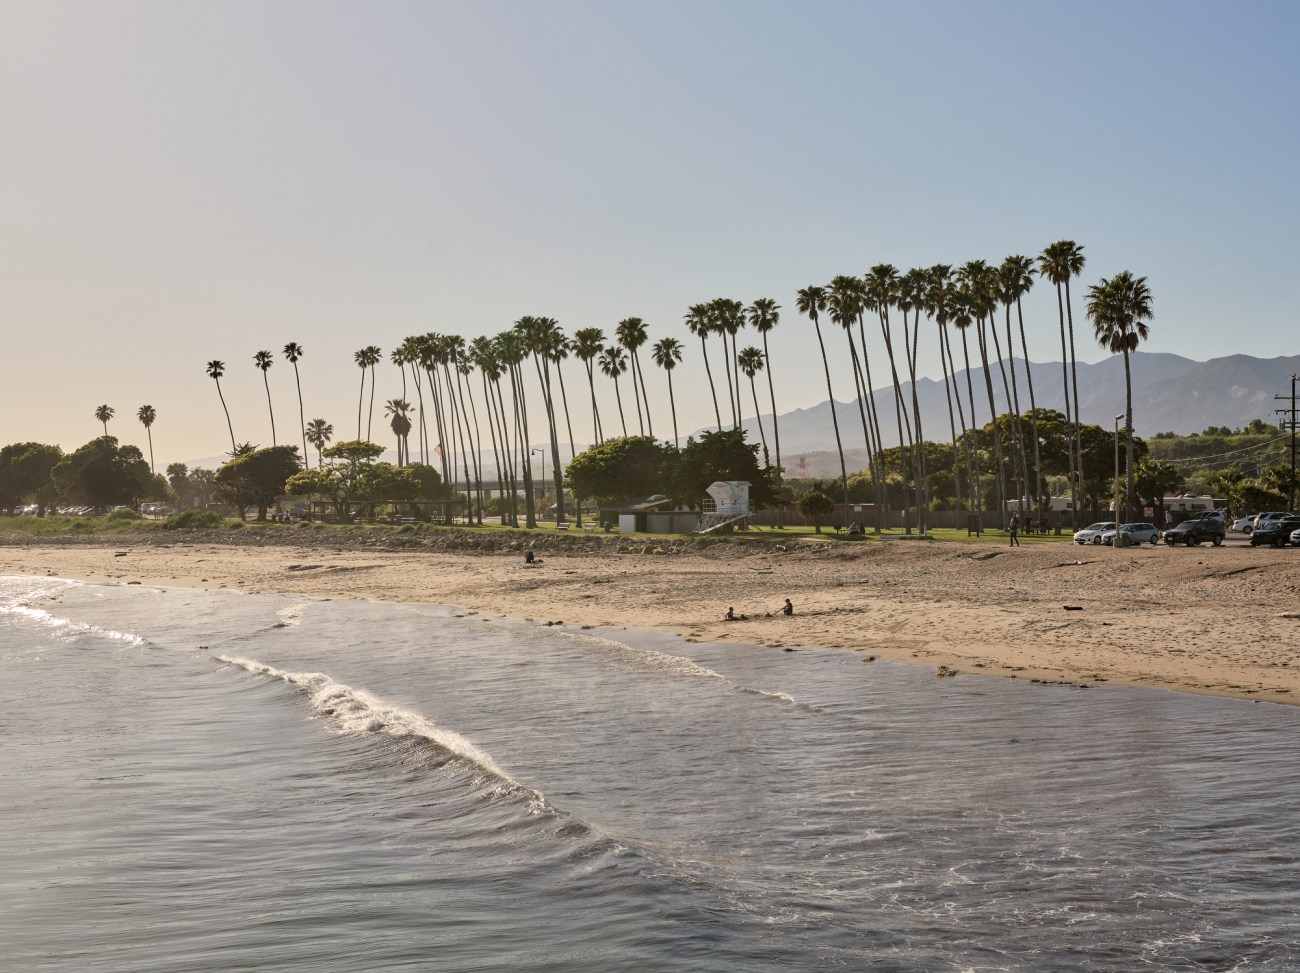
730	616
788	608
530	558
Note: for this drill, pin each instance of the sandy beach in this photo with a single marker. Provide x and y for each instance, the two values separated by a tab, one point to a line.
1222	621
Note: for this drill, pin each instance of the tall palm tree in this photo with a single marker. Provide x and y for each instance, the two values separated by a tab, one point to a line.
215	370
367	358
544	339
962	312
764	315
319	433
482	351
264	360
728	317
751	363
1119	309
811	302
981	281
1058	263
399	410
147	414
587	344
844	304
699	323
667	355
103	413
631	334
938	306
293	351
513	351
1016	279
882	283
912	293
613	363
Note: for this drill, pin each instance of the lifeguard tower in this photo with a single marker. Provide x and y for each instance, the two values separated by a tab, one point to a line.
728	502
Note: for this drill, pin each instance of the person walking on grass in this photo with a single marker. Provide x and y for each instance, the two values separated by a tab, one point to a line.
1013	529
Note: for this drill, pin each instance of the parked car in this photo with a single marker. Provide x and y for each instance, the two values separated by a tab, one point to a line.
1092	533
1275	532
1192	532
1136	533
1295	537
1268	515
1244	525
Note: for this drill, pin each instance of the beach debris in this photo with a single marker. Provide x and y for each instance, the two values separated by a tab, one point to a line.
1073	608
121	553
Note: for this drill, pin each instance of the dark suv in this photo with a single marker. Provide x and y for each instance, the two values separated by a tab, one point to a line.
1192	532
1275	532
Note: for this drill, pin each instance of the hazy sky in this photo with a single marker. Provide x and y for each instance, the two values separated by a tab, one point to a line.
183	181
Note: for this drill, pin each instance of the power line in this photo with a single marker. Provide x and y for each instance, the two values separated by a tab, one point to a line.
1231	452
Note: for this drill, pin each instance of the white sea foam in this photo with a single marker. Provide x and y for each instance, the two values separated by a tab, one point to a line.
17	596
359	712
291	615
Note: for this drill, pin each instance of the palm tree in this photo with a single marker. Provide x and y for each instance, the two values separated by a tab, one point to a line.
293	351
215	370
667	354
981	282
482	351
513	351
811	302
764	315
882	283
147	414
962	316
912	293
613	363
1058	263
727	318
401	426
318	432
845	298
631	334
751	363
1015	280
264	360
544	339
937	303
1119	309
587	344
367	358
698	323
103	413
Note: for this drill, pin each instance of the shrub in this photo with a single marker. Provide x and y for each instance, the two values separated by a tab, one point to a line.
194	518
126	513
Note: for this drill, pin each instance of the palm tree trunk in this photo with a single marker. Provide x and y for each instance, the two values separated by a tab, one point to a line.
1033	408
361	400
636	396
1074	381
568	426
918	451
712	388
672	403
868	386
475	439
753	389
233	447
1006	394
370	419
1017	425
620	407
649	425
972	455
1075	476
149	432
899	408
268	406
1128	430
945	356
595	412
875	463
726	368
839	446
302	418
492	435
544	377
998	462
457	422
525	450
424	429
776	426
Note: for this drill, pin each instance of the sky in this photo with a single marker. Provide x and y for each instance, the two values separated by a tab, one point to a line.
181	182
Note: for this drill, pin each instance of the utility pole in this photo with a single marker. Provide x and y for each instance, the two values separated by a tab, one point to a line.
1290	423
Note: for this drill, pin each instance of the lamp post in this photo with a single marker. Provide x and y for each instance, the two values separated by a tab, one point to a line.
1117	516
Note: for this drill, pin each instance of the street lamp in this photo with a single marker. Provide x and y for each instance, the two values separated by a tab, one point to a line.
542	453
1117	516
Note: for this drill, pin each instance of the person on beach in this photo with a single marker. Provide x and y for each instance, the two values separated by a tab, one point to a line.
730	616
1013	529
787	608
530	558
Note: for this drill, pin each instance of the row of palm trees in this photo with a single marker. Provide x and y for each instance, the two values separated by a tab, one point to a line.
147	414
968	298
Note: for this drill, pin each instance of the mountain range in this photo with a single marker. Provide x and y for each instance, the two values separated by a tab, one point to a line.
1170	394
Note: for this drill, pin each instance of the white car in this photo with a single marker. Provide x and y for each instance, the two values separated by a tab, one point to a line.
1137	534
1295	538
1092	533
1244	525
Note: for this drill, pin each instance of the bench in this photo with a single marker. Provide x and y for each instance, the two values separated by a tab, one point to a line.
562	526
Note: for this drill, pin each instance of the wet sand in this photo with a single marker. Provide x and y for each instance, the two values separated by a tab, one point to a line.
1223	621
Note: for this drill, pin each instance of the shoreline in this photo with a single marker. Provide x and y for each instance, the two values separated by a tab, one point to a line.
1215	621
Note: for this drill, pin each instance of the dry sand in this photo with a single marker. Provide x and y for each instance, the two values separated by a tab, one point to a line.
1222	621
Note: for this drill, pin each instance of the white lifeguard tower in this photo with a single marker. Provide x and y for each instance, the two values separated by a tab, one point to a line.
728	502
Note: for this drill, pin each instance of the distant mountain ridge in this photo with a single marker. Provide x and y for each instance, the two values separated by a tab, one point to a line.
1170	394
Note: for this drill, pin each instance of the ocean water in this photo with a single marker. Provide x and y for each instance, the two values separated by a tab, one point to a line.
216	781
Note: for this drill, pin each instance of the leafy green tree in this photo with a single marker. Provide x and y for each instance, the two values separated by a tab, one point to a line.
25	474
720	455
621	469
343	481
103	474
1154	480
256	479
815	505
